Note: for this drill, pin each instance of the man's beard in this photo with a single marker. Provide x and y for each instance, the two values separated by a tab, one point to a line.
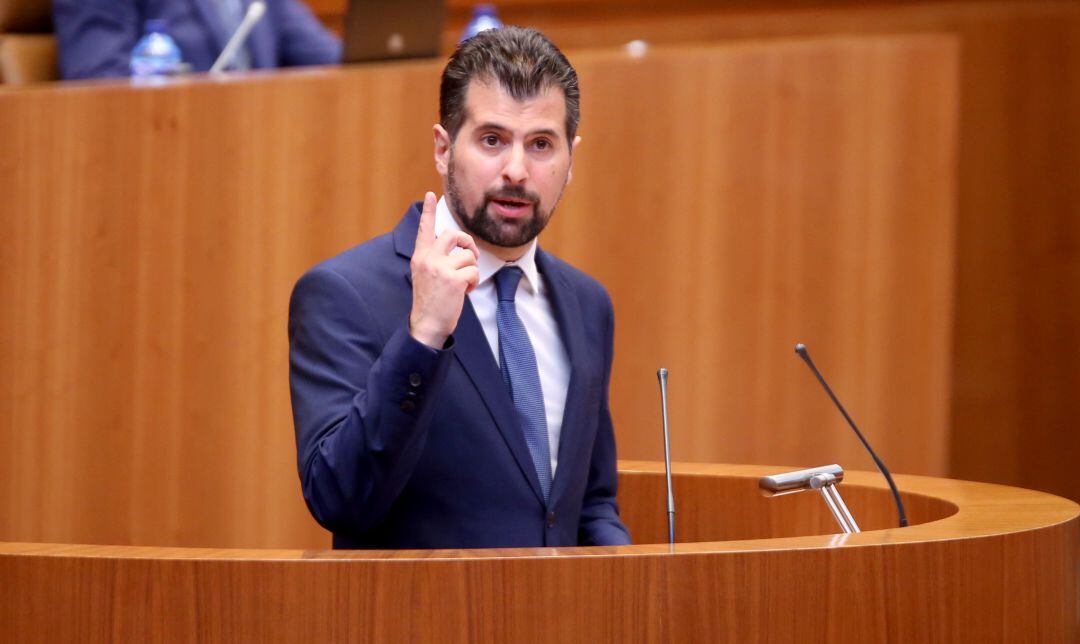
479	223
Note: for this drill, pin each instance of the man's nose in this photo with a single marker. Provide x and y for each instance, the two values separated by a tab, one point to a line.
515	170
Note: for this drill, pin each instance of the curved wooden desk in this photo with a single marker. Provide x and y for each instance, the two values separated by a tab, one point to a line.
982	563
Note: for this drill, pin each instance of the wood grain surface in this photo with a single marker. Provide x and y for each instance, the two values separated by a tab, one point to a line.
955	578
734	199
1014	368
1014	375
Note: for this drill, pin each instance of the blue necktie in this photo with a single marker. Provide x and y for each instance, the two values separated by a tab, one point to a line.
518	364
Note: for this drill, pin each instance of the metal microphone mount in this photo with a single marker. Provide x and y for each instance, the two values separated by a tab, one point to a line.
823	479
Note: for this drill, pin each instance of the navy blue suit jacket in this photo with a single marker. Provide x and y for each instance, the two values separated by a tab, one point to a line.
96	36
403	446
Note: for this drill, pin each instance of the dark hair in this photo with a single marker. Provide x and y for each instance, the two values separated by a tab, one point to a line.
522	61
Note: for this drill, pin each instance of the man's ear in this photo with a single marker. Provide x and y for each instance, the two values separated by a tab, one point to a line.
443	143
573	147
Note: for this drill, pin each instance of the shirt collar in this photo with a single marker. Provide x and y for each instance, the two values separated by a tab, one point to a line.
488	263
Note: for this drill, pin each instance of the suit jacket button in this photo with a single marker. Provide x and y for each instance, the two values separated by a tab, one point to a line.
408	406
415	380
551	520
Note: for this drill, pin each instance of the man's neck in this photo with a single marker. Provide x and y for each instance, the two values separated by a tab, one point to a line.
502	252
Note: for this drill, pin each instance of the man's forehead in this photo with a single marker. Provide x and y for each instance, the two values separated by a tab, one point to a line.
488	102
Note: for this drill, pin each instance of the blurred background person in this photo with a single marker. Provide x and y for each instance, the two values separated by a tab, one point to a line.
96	37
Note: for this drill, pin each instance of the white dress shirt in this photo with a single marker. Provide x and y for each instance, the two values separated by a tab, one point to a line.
534	308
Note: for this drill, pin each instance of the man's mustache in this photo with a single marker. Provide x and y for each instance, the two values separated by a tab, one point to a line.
515	193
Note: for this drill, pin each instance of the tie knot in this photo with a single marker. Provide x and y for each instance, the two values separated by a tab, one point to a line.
506	283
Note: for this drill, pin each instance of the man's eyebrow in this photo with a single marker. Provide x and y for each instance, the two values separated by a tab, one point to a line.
546	132
491	125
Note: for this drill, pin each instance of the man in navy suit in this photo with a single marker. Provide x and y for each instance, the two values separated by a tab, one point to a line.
96	36
450	379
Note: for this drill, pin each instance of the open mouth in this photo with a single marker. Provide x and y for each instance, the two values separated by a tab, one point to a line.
513	203
510	207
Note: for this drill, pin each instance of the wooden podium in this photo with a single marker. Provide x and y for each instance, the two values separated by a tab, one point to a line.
980	563
153	235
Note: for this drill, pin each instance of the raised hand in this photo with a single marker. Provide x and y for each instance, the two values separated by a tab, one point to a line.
440	278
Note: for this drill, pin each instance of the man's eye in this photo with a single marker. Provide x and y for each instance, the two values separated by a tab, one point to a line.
541	144
490	140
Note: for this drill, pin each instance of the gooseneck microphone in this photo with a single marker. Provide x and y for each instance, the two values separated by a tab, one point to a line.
254	13
661	374
800	349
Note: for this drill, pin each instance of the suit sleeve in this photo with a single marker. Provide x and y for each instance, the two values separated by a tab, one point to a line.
304	40
361	403
96	37
600	523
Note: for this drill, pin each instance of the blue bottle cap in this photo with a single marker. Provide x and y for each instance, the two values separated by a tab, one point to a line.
155	25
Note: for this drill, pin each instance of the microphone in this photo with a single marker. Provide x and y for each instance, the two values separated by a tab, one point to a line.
797	481
661	374
824	479
232	48
800	349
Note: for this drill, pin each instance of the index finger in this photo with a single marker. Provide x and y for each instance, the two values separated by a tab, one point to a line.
451	242
425	232
468	243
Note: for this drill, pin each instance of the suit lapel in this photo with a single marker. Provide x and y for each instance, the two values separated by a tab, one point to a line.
568	315
472	350
474	353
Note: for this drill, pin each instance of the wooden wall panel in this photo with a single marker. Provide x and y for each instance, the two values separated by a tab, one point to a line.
1014	369
758	195
151	239
807	200
1015	372
1015	375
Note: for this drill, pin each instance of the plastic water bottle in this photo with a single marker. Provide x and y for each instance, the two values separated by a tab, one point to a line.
483	18
156	54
